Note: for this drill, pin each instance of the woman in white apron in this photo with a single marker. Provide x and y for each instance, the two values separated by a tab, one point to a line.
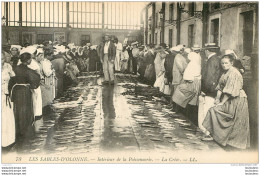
8	121
36	93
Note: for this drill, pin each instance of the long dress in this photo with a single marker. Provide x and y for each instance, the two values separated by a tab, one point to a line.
36	93
48	86
8	121
142	64
229	123
21	95
80	62
159	74
149	74
93	60
179	66
135	53
168	64
119	48
124	61
158	64
188	91
59	66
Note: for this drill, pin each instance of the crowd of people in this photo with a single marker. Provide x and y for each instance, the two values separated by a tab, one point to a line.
34	75
206	79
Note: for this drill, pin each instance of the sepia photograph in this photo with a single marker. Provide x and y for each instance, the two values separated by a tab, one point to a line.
129	82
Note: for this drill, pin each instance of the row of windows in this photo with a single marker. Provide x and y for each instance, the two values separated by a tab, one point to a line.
191	34
117	15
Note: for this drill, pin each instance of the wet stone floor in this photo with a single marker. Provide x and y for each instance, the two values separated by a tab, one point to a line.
95	118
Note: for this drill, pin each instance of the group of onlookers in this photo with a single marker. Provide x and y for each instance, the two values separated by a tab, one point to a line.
205	78
33	76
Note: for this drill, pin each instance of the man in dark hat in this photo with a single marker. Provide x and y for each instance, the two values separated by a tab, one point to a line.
107	56
211	72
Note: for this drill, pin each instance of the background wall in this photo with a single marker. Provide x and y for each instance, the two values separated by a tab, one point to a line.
14	34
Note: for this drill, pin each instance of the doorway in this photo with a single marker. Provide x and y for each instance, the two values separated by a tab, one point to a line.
247	32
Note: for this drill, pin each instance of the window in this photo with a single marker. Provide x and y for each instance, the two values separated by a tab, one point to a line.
247	32
44	37
161	37
117	15
191	35
27	38
156	20
170	38
192	8
215	5
171	17
155	38
132	39
85	39
150	38
85	14
215	31
12	14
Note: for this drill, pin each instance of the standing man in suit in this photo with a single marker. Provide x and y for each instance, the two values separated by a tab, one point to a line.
107	58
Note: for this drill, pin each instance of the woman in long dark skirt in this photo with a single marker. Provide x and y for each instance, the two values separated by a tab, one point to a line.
21	95
93	59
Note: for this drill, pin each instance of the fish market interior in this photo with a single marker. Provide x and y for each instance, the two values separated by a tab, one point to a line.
143	77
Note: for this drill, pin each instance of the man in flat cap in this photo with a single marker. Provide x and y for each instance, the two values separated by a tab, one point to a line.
107	57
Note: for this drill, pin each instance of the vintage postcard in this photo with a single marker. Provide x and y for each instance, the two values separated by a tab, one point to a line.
129	82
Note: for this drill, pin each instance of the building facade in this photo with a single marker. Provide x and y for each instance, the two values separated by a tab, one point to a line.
229	25
232	25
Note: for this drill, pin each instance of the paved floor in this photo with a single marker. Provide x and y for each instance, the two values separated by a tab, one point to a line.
95	118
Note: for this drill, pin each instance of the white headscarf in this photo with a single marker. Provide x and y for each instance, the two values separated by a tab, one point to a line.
176	49
194	67
39	51
29	49
59	49
230	52
94	47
